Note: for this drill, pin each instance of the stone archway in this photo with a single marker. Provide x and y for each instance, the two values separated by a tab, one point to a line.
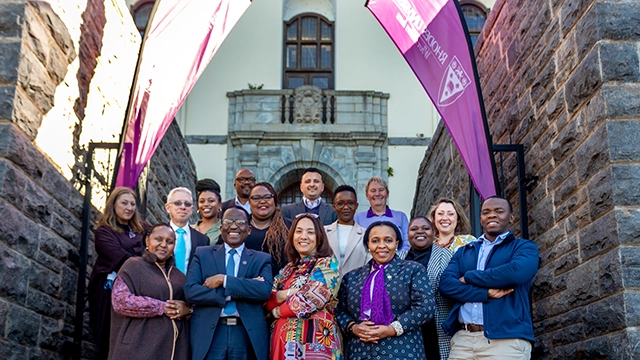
291	173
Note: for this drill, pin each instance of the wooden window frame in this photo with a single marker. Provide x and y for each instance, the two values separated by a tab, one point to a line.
307	74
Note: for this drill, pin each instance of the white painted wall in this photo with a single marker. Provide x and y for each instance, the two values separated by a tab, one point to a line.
365	59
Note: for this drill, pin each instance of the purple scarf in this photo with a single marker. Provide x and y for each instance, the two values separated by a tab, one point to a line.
379	303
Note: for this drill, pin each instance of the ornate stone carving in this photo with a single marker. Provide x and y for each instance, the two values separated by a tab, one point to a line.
308	104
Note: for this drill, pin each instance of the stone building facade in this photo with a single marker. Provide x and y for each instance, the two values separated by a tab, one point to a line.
59	90
562	78
279	133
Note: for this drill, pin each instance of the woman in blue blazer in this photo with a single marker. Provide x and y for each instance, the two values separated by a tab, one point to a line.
382	305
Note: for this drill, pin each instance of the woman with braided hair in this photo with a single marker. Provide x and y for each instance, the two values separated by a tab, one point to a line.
269	230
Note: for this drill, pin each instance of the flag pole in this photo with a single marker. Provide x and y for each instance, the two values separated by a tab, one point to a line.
125	124
480	97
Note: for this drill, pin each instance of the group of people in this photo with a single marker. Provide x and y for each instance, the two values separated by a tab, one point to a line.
310	280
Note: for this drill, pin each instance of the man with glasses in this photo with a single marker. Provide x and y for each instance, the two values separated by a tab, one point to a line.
180	207
311	187
345	235
228	283
244	182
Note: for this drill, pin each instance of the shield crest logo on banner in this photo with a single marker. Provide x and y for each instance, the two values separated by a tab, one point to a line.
454	81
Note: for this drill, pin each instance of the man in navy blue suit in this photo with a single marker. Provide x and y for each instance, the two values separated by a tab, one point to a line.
228	283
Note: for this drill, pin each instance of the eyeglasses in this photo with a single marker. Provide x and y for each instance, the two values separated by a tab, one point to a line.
258	197
315	216
179	203
246	179
350	203
238	222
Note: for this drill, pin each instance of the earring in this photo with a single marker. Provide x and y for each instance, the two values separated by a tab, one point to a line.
146	248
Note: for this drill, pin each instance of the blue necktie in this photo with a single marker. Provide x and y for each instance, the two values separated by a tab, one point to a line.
180	251
230	307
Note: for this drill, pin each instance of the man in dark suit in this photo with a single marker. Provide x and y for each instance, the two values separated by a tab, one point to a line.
228	283
312	187
244	182
180	207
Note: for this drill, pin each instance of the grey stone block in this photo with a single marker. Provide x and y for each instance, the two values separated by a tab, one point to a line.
45	304
18	231
593	154
597	324
27	115
610	270
624	136
23	326
571	11
625	184
584	81
616	20
619	62
16	147
44	280
630	259
601	199
9	61
632	303
564	143
13	184
12	351
597	348
622	100
628	220
598	237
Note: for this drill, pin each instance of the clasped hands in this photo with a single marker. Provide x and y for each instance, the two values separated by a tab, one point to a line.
494	293
175	309
367	331
216	281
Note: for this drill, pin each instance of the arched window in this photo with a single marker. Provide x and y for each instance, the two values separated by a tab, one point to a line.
292	195
308	52
141	14
474	15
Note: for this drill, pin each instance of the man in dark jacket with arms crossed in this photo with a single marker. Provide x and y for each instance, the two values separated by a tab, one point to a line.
490	280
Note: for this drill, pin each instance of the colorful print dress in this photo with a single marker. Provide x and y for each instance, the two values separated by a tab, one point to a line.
307	329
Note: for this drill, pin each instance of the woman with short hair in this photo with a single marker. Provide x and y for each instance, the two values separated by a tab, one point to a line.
377	193
382	305
148	320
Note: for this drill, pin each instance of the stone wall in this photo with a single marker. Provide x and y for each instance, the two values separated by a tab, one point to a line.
49	50
562	78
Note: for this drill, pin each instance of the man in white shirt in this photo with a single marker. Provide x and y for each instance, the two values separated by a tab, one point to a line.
345	235
180	207
311	187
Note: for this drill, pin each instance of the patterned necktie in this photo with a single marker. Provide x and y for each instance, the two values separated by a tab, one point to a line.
230	307
180	251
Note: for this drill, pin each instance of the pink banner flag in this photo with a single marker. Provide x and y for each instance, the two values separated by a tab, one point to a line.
431	37
180	41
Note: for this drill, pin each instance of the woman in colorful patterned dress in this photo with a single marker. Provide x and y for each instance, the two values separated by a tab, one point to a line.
450	225
304	296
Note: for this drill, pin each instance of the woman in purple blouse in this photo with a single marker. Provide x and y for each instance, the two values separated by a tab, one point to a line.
117	238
